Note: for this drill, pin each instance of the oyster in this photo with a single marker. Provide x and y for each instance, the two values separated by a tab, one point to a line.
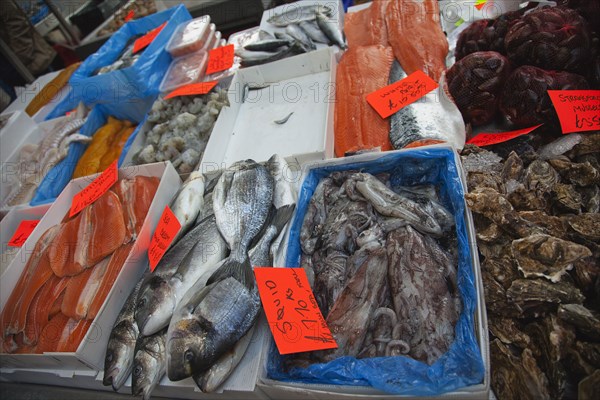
524	199
495	298
577	315
537	296
515	377
540	176
484	179
587	275
590	352
555	226
590	386
513	168
546	256
567	198
580	174
508	331
591	198
587	225
590	143
492	233
502	269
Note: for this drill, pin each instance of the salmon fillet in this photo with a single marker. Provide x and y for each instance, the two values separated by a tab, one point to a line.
136	196
81	290
72	335
39	310
52	334
28	276
62	250
367	27
55	309
117	260
415	34
362	70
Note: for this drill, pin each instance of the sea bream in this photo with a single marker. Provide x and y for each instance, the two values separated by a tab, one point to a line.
158	300
121	344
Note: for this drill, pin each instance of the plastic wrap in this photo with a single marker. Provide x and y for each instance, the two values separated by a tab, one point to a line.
191	36
462	365
184	70
59	176
140	80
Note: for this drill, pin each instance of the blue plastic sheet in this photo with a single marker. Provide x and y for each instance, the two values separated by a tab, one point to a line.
59	176
462	365
140	80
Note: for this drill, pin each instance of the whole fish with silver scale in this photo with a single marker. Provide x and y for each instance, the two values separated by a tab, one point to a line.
149	364
296	14
158	301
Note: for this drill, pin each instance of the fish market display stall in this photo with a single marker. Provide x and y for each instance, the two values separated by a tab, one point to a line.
285	107
131	75
80	275
387	244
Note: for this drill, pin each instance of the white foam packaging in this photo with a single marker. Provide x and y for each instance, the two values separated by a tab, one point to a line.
90	353
303	85
301	391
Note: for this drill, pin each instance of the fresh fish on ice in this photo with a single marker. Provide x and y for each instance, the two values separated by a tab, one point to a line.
296	14
331	29
188	202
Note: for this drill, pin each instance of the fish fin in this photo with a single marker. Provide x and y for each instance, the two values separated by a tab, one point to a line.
282	216
240	271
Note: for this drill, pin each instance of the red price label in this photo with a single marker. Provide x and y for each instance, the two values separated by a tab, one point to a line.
220	59
145	40
129	16
192	89
488	139
166	230
94	190
292	311
390	99
22	233
479	4
578	110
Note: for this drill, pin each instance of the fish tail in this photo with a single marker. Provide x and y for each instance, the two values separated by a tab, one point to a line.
282	215
239	270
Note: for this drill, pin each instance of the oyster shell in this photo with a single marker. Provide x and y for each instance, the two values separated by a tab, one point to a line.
550	340
587	225
567	198
546	256
589	351
524	199
502	269
508	331
580	174
577	315
540	176
513	168
492	233
515	377
537	296
590	143
555	226
590	386
591	198
495	298
484	179
587	275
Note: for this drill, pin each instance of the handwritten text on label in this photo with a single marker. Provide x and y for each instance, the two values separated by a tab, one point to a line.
165	232
22	233
578	110
94	190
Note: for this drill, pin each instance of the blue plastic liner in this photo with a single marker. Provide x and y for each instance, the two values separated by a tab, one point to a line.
140	80
462	365
59	176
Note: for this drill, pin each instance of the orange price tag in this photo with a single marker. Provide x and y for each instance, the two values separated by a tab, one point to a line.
488	139
145	40
479	4
220	59
22	233
578	110
390	99
165	232
192	89
292	311
94	190
129	16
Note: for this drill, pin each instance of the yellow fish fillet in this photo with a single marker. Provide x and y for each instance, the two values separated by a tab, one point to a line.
116	147
89	163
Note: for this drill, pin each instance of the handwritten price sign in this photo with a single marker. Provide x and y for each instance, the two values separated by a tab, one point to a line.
22	233
390	99
94	190
578	110
220	59
488	139
145	40
166	230
292	311
192	89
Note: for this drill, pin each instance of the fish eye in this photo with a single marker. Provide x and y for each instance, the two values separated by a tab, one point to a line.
109	357
189	355
137	371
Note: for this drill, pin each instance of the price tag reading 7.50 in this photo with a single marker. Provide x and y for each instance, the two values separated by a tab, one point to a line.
292	311
166	230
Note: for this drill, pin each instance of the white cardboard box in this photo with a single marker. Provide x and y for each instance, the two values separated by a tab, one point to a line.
304	85
91	351
300	391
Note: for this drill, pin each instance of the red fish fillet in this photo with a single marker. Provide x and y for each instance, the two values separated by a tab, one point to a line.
51	334
112	272
28	276
39	310
81	290
55	309
361	71
103	231
367	27
415	34
136	196
121	189
72	335
62	249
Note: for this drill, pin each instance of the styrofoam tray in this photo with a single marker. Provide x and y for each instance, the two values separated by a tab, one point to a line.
91	351
304	85
300	391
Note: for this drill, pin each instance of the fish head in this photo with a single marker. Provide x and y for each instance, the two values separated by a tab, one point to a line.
155	305
185	347
116	363
146	373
